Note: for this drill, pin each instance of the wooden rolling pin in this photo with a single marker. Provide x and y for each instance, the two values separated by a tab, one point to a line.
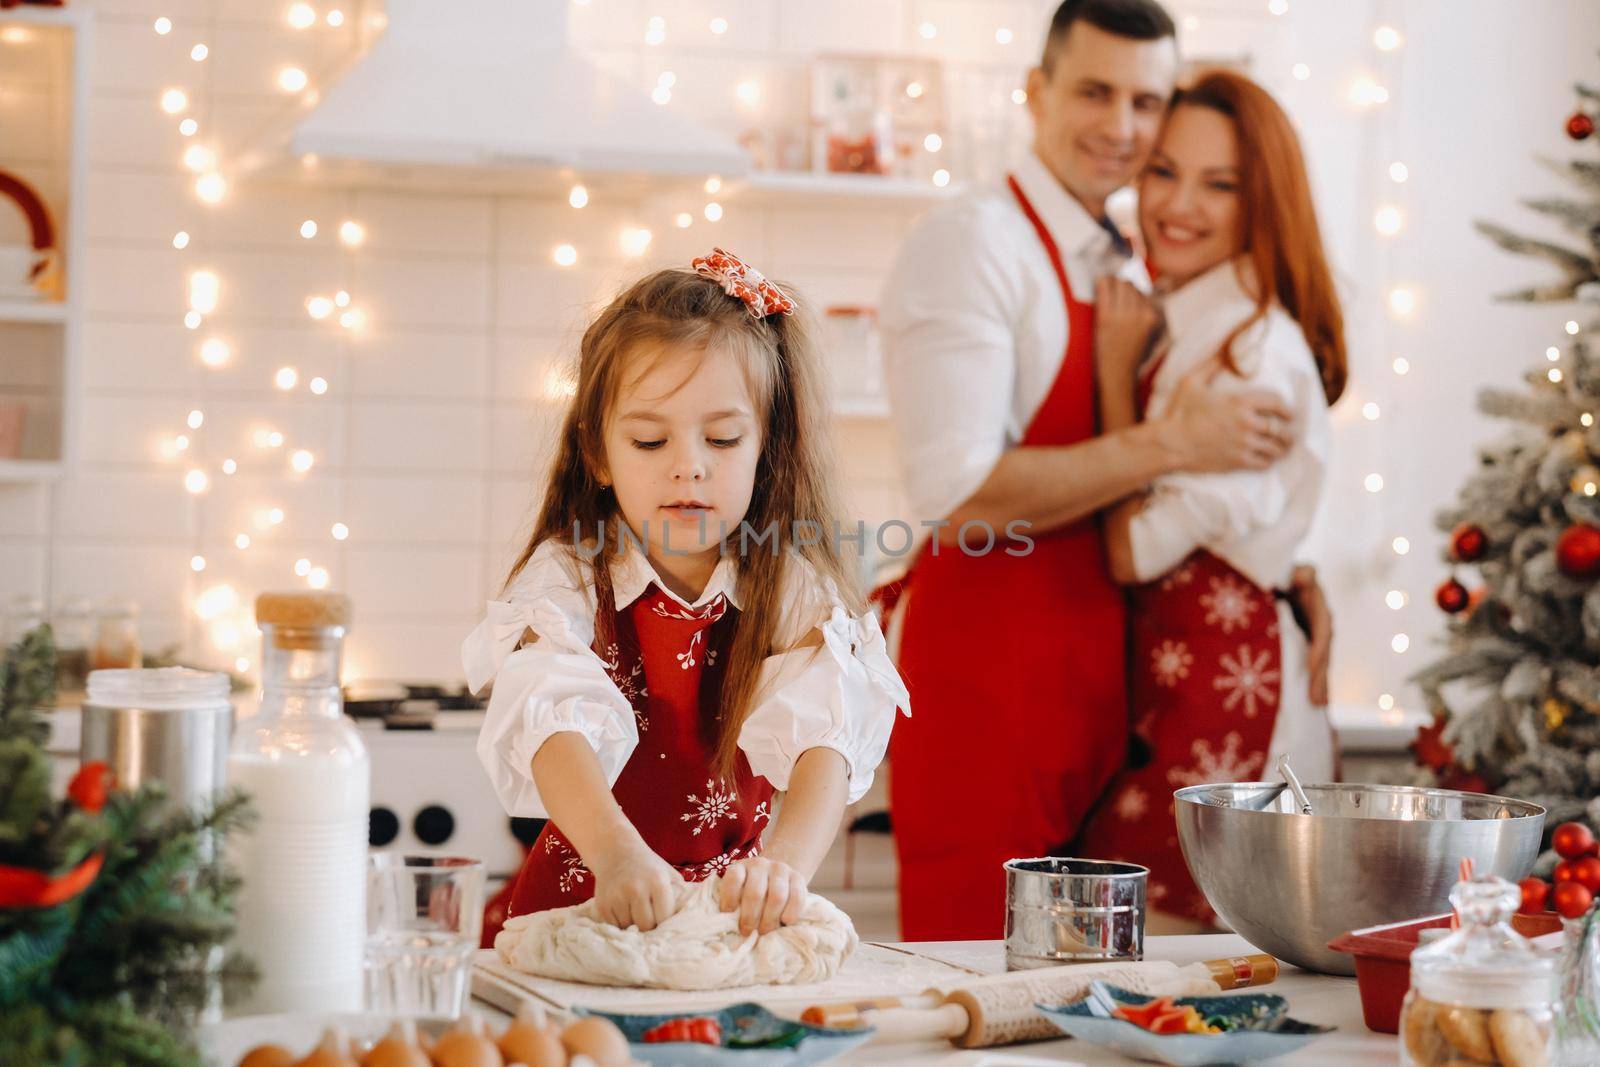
998	1009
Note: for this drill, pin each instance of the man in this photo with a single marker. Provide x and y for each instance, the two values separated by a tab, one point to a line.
1015	660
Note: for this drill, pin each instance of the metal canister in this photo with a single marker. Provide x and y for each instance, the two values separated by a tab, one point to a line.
171	725
1067	910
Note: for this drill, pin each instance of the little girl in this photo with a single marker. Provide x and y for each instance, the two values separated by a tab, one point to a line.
680	636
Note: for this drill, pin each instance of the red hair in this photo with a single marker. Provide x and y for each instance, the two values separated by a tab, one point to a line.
1281	236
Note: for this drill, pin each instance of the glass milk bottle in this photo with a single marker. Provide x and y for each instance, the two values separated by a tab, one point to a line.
302	908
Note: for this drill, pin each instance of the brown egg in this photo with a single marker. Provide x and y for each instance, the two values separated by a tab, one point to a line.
268	1056
332	1051
398	1048
599	1039
531	1041
466	1046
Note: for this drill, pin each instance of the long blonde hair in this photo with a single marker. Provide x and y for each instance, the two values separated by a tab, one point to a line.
794	480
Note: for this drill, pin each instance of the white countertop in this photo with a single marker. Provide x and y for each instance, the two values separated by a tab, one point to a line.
1312	997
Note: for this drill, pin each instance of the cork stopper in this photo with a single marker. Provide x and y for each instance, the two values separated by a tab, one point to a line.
296	616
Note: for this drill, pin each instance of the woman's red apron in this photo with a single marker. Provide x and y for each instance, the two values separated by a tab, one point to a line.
1015	665
1206	681
669	662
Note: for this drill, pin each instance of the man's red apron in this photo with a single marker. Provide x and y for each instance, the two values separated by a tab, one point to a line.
1015	665
669	661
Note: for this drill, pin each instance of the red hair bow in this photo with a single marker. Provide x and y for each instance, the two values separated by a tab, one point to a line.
739	279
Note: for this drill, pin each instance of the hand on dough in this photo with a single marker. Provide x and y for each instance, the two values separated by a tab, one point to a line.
635	888
765	892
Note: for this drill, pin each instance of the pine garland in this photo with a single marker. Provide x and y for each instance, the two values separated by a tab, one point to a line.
118	975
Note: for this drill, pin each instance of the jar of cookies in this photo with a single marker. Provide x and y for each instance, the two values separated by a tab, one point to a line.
1483	994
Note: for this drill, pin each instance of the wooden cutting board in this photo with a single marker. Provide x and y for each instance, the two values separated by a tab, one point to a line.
873	970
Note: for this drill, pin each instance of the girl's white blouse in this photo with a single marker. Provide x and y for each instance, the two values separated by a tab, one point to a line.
534	646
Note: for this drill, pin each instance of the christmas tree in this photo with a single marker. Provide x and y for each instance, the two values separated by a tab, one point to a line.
113	909
1516	697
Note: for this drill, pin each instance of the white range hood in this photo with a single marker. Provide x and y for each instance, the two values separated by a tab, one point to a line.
489	92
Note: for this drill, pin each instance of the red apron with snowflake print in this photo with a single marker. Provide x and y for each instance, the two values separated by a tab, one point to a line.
1206	678
1015	665
669	662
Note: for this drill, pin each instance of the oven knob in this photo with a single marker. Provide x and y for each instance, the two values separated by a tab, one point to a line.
526	830
383	826
434	825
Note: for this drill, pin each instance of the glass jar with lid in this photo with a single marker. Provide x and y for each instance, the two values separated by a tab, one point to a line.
1483	993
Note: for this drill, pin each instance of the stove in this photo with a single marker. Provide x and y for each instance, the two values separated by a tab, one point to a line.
429	791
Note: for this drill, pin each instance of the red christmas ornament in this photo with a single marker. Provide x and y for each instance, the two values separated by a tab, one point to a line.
1430	749
1572	900
1572	840
1586	872
1580	126
1468	542
1451	597
1566	871
90	786
1535	892
1578	551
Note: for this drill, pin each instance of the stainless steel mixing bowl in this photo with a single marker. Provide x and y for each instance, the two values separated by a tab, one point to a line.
1370	854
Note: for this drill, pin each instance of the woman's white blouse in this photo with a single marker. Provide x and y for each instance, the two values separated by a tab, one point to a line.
1254	520
534	646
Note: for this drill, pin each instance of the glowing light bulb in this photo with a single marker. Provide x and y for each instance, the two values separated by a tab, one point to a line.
216	601
188	127
275	516
180	443
1278	7
308	229
941	177
214	352
1400	545
1395	598
713	185
275	439
192	320
748	93
933	142
713	212
1019	96
656	32
198	157
635	241
340	531
163	26
335	18
319	386
174	100
341	299
564	255
1387	38
318	578
1370	410
199	52
197	419
180	240
684	220
1553	354
578	197
204	290
1387	220
1572	328
1399	172
197	563
292	79
302	567
319	307
1555	375
719	26
1386	702
302	16
1402	301
928	31
914	90
211	187
352	234
1003	36
1300	71
196	481
286	378
241	541
1374	483
229	466
1586	419
1365	91
1400	643
661	94
301	461
354	319
1402	366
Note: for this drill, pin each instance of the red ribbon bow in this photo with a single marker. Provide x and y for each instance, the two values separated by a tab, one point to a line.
739	279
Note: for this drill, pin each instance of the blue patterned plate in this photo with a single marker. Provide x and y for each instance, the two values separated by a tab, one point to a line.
751	1035
1257	1028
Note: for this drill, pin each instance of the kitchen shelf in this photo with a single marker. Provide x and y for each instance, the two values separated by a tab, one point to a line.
765	187
29	470
46	311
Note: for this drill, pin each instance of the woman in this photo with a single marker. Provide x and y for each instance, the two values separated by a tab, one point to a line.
1218	667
